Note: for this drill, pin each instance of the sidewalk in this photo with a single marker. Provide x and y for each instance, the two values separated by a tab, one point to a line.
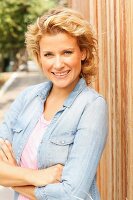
18	82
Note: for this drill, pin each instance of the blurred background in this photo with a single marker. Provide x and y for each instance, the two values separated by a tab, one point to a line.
112	22
14	18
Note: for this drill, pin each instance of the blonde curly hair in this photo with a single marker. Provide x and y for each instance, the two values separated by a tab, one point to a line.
68	21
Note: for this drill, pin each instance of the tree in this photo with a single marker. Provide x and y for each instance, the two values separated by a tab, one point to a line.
14	18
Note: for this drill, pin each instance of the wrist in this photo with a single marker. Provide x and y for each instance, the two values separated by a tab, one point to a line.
31	176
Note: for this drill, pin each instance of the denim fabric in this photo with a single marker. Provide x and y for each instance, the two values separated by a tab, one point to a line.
75	138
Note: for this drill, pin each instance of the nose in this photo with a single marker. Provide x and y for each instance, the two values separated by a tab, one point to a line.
58	63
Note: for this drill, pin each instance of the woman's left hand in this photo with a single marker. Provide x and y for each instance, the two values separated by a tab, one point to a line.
6	153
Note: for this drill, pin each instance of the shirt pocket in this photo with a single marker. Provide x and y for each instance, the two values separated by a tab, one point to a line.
17	128
59	148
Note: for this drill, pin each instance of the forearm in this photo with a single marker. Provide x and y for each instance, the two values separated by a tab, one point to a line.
14	175
27	191
17	176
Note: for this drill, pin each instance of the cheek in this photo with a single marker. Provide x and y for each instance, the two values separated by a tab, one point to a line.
45	67
46	64
76	62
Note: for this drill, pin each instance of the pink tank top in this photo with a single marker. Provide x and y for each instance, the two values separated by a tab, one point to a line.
29	154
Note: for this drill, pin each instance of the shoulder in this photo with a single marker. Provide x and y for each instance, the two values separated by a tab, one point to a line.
89	96
95	106
35	90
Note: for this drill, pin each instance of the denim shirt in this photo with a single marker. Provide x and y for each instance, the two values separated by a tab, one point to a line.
75	138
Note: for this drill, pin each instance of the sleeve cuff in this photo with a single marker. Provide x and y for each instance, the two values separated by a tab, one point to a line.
40	193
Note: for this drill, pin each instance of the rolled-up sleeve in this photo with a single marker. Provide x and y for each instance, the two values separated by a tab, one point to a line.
81	166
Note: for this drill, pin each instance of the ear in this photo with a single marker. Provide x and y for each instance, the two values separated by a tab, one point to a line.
84	54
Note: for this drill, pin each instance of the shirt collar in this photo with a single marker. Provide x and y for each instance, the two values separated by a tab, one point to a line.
45	90
76	91
72	96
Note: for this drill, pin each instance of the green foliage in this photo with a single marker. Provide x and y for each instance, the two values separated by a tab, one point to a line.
15	15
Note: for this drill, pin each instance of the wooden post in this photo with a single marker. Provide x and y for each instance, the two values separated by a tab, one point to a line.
113	22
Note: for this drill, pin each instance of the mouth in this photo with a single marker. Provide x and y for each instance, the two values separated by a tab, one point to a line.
61	74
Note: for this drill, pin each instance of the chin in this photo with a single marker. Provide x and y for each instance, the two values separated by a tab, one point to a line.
62	83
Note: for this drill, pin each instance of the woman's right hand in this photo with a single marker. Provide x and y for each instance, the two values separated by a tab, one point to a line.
6	152
33	177
47	176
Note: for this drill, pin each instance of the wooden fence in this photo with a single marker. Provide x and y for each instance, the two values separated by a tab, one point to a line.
113	22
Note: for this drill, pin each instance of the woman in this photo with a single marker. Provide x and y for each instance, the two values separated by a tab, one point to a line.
53	136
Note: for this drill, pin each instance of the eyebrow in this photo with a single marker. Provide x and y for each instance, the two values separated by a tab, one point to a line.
67	49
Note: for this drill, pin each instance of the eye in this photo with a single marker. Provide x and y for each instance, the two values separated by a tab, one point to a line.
48	54
68	52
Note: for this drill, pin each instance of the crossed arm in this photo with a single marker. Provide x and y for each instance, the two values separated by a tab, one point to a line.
24	180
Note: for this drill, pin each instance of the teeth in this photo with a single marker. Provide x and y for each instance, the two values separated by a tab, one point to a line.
61	73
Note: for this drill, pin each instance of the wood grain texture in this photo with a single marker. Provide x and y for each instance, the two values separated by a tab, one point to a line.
113	22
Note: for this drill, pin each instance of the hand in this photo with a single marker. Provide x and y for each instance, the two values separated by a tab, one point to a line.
37	177
48	176
6	153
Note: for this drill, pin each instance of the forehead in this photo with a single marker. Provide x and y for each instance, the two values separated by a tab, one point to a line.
62	40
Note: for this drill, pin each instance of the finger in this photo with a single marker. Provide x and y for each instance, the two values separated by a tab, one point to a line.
9	146
60	166
2	155
11	156
7	151
58	180
1	140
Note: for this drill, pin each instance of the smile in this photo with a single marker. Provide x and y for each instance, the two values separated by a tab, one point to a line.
61	74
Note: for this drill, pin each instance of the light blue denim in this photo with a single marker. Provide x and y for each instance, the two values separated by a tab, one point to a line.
75	138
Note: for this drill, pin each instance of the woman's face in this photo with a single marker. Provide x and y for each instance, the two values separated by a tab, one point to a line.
60	58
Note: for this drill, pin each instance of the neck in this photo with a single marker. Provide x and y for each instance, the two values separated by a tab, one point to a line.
63	92
58	92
